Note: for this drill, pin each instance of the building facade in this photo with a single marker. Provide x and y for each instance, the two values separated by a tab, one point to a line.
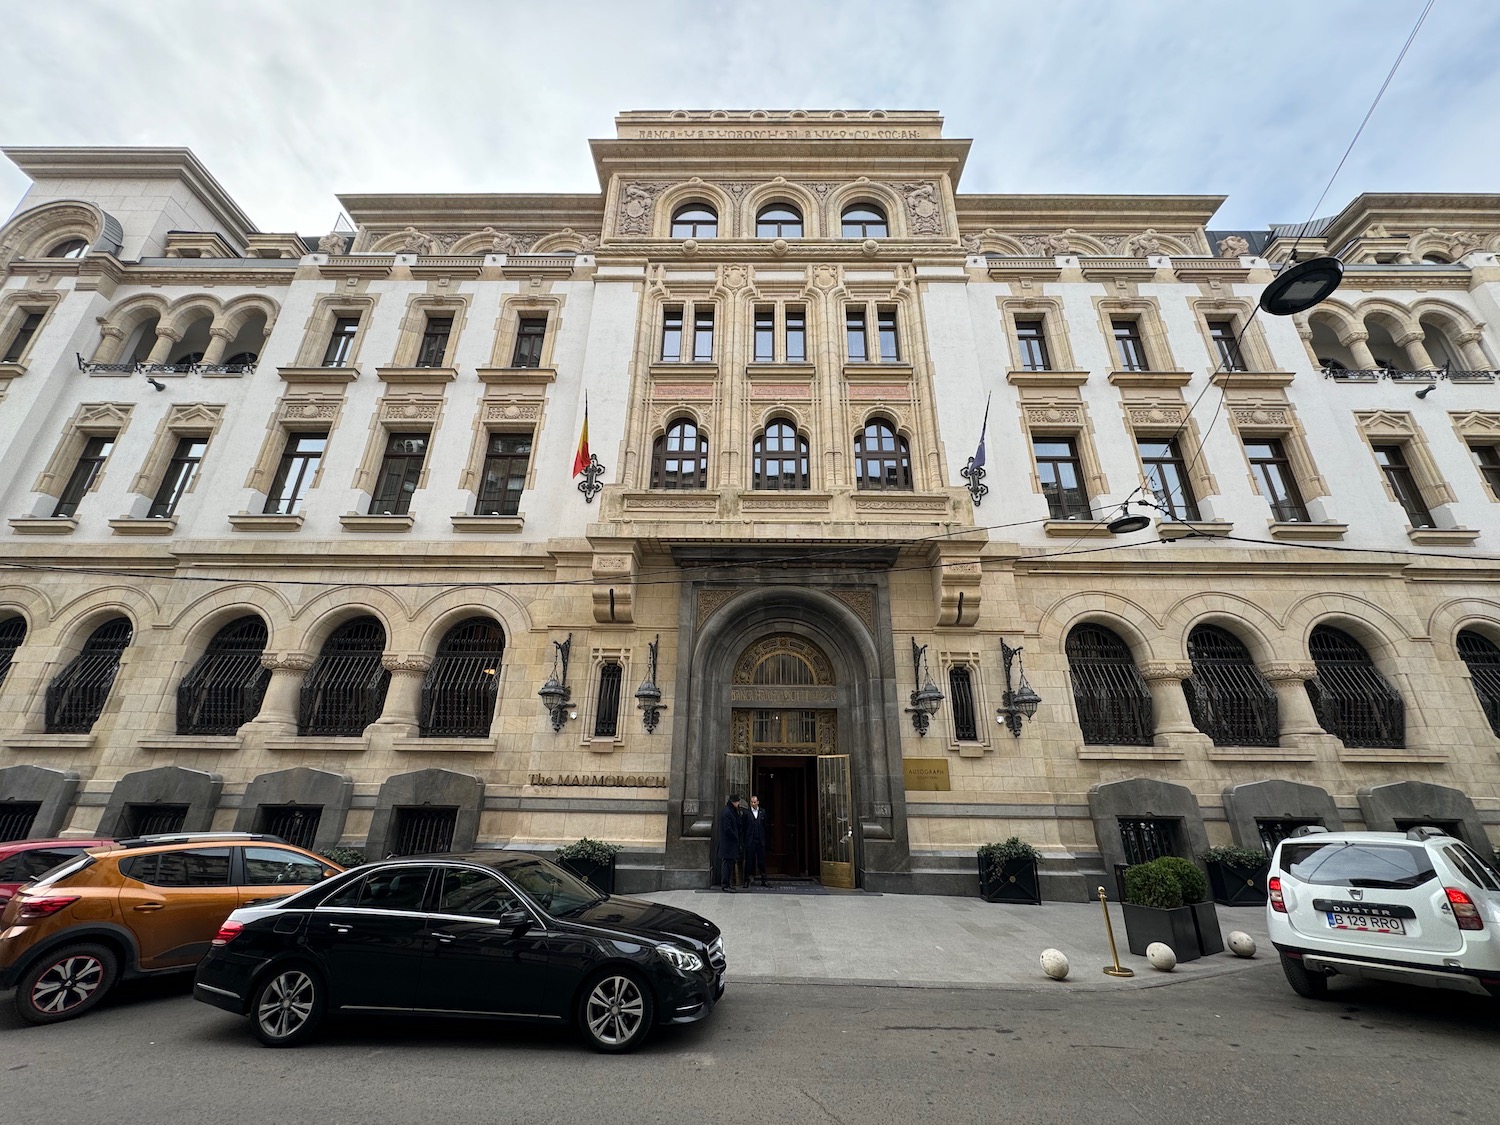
299	534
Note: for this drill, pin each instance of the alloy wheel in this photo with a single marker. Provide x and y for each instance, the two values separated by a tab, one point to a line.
286	1004
66	984
615	1010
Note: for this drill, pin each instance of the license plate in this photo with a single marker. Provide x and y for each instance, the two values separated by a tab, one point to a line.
1365	923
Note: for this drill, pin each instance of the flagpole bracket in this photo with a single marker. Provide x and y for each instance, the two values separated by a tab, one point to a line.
589	485
974	474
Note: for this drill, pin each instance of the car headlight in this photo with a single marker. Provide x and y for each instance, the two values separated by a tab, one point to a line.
680	959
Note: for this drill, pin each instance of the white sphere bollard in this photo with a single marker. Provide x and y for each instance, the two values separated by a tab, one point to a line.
1161	956
1055	964
1241	944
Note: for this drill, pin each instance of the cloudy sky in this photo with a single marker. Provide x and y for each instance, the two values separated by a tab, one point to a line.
290	102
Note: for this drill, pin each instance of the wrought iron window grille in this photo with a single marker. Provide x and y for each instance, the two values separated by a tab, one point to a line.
224	689
961	693
12	633
1146	838
1113	701
296	824
1228	698
1482	657
16	819
153	819
423	831
1352	700
607	709
76	695
344	690
460	689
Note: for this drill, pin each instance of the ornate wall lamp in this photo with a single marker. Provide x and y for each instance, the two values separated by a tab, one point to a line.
555	693
926	699
1020	702
648	695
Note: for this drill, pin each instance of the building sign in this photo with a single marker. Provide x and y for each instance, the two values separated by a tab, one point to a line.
601	780
930	774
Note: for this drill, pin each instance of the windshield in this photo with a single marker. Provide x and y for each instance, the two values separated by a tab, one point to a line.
1390	866
549	886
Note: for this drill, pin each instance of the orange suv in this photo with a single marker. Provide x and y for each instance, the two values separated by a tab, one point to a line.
141	907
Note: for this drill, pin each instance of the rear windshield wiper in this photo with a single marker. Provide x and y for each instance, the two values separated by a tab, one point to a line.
1405	884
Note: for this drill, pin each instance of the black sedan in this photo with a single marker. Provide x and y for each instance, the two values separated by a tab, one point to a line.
503	935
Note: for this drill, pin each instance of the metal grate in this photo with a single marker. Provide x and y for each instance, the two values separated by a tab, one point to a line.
149	820
1482	656
77	694
296	824
1229	699
423	831
607	712
1146	838
344	690
12	633
961	694
1273	830
1114	704
1351	698
16	818
224	689
459	691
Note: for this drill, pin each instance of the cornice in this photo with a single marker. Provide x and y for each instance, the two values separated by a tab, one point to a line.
503	212
1058	212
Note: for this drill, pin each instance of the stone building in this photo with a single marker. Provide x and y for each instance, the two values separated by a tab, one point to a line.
296	539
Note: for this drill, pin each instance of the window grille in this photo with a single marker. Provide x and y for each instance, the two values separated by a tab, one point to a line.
607	711
153	819
12	633
961	695
1114	704
460	689
1482	656
1147	838
296	824
344	690
1273	830
780	459
76	696
224	689
882	459
1352	699
423	831
16	818
679	457
1229	699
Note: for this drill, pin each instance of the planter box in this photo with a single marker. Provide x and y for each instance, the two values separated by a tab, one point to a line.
1206	923
1015	880
1238	886
1191	931
600	876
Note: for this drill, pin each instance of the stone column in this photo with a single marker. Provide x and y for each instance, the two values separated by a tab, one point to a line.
403	700
111	344
1416	351
219	340
1174	722
283	699
1358	344
165	338
1300	729
1474	357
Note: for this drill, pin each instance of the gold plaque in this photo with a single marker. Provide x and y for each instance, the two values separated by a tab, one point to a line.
926	774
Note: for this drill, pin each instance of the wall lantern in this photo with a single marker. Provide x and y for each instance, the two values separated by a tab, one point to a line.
1020	702
555	693
648	695
927	699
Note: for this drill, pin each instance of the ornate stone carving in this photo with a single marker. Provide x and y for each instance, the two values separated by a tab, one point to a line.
1233	246
637	202
511	412
414	241
781	390
825	277
332	244
711	599
734	277
860	600
413	664
304	409
924	212
408	409
783	645
1261	416
822	189
972	243
286	661
736	189
95	413
1297	670
1156	414
1054	415
1462	242
1165	669
1145	244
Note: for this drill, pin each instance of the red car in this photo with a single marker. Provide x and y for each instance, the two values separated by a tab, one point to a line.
23	860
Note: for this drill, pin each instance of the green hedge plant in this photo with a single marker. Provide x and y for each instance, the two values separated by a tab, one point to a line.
344	857
1193	882
588	850
1165	883
1235	857
993	856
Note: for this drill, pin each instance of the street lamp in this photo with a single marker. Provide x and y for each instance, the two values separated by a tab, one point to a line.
555	693
1020	702
925	700
648	695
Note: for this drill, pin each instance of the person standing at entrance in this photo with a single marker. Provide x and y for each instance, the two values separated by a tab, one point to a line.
729	841
757	828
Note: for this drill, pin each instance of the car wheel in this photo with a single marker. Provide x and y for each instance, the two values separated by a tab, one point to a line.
287	1006
1312	986
66	983
616	1011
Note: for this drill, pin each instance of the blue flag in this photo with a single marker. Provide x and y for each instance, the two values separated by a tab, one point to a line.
979	453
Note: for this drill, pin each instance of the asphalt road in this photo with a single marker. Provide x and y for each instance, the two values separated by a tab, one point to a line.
1234	1048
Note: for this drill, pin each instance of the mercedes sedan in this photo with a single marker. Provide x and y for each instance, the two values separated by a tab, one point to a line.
503	935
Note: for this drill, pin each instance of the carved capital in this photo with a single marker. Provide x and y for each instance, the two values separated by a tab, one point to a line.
1285	670
166	331
1153	670
1407	337
112	332
1353	335
218	332
286	661
395	662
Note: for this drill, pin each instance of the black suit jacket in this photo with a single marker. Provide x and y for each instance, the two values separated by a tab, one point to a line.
730	838
757	828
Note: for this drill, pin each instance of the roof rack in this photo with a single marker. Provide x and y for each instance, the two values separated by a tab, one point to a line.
1425	832
194	838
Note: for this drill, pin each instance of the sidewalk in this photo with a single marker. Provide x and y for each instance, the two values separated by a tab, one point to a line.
926	941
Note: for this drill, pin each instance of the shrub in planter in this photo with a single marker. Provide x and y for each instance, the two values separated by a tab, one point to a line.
1008	872
1165	903
593	861
344	857
1237	875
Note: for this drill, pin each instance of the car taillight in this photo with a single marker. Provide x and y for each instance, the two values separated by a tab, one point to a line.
227	932
1273	891
1464	909
43	906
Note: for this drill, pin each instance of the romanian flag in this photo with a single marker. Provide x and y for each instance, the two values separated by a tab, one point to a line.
581	458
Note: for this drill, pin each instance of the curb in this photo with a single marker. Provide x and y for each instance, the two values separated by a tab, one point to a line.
1154	980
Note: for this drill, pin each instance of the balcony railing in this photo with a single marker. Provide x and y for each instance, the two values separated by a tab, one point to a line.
137	368
1375	374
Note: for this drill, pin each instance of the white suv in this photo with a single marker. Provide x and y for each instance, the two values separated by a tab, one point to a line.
1418	908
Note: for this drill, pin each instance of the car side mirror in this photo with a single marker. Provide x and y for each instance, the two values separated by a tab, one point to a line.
516	920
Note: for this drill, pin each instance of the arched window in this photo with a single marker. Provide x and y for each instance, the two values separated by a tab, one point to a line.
459	691
12	633
607	706
679	457
1229	699
779	220
780	457
344	690
76	696
1482	656
1351	698
224	689
961	695
1436	258
881	459
695	220
784	669
69	248
240	360
1114	704
864	220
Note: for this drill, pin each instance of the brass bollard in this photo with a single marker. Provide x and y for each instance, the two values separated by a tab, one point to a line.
1115	970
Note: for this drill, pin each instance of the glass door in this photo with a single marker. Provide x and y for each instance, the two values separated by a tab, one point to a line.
835	821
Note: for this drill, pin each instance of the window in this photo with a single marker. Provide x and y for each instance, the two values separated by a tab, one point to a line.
224	689
1273	830
671	335
1031	339
22	867
1273	473
864	220
1226	346
96	451
423	831
400	470
1398	474
703	335
199	867
344	690
341	341
1482	656
296	824
854	327
76	695
153	819
1167	475
1229	699
607	709
294	476
179	476
882	461
765	334
473	894
1128	345
388	888
796	335
679	457
695	221
69	248
1144	838
530	335
885	320
506	460
1395	866
12	633
1061	475
961	696
434	346
1351	698
265	867
1114	704
778	221
779	458
460	689
27	329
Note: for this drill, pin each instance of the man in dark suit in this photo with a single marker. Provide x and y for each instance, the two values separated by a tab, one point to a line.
729	841
757	831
